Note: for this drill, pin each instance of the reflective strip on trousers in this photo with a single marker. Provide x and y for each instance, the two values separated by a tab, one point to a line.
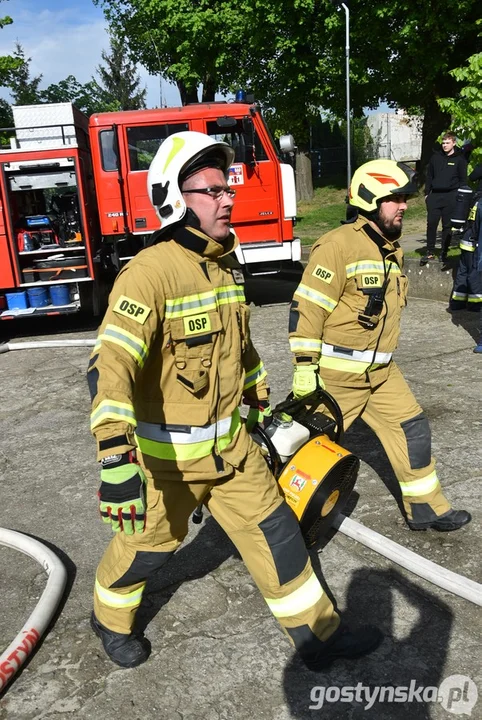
116	600
458	295
132	344
422	486
186	443
253	377
308	345
323	301
298	601
112	410
473	298
364	356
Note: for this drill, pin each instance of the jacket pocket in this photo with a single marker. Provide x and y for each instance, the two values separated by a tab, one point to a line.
193	340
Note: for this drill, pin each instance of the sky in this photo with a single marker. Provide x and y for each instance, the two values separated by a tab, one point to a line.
66	37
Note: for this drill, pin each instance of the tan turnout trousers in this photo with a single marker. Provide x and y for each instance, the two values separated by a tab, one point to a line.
392	412
248	506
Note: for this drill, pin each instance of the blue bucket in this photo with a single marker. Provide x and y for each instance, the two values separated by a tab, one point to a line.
59	294
38	297
17	300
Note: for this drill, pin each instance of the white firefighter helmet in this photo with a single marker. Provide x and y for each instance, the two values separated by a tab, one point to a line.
378	179
180	156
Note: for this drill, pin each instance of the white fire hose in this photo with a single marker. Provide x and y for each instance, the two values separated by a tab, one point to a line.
81	342
426	569
12	659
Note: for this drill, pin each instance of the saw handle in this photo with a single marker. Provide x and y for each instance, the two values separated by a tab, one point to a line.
292	406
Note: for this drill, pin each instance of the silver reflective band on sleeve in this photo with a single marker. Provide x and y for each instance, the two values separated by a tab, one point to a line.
311	345
186	436
365	356
298	601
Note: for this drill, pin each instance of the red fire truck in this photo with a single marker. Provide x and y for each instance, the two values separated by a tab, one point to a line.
74	206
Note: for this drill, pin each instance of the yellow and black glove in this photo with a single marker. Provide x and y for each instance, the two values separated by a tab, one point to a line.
122	493
306	380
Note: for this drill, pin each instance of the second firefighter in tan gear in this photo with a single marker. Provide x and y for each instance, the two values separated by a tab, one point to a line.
173	361
345	323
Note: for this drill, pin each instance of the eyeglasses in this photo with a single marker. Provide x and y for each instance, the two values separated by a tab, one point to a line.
216	191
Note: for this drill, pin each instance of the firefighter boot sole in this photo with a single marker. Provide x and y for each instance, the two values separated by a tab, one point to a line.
451	520
127	651
347	644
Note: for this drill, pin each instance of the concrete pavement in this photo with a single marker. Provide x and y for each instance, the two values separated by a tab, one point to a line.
217	652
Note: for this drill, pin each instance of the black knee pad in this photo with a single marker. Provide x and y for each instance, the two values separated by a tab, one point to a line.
419	441
283	535
144	565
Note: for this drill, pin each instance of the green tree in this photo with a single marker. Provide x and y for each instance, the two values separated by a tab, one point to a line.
119	86
7	62
466	109
186	41
23	88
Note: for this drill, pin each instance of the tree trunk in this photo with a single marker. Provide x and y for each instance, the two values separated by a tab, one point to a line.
209	89
188	95
304	181
434	122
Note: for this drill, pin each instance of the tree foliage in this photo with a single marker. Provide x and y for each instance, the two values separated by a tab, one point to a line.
466	109
24	89
119	86
7	62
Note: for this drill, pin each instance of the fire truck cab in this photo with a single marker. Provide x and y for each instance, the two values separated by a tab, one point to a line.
124	143
74	206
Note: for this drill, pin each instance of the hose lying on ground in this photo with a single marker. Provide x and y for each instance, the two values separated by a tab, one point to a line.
436	574
22	646
81	342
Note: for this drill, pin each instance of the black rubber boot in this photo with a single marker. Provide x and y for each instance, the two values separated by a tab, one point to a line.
451	520
128	651
345	643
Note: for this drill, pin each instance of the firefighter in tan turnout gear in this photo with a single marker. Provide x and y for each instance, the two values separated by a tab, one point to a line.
344	327
172	363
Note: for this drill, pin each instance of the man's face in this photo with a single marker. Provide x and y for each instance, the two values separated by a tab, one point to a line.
214	214
448	145
390	215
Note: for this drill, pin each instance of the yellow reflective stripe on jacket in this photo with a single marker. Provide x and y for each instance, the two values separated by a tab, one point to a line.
253	377
348	366
210	300
132	344
178	307
113	599
318	298
298	601
229	294
112	410
309	345
186	443
363	356
422	486
376	266
467	245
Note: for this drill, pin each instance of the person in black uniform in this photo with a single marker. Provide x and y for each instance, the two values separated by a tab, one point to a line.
447	171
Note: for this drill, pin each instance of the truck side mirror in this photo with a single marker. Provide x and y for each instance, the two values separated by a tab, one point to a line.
287	144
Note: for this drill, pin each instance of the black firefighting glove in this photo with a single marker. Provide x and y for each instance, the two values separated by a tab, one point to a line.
260	414
122	493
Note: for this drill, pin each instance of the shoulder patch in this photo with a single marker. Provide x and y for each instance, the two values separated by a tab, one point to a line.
323	274
132	309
